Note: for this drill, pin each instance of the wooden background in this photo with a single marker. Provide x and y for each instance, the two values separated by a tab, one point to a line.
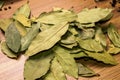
11	69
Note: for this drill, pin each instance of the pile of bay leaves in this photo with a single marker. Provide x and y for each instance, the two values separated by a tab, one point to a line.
54	41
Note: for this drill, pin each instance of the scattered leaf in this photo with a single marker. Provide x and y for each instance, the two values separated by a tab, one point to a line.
38	65
47	39
13	38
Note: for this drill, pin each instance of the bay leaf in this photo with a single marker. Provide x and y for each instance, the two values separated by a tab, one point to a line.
66	61
100	36
93	15
24	10
38	65
104	57
23	20
56	70
27	39
47	39
13	38
90	45
7	51
56	17
85	71
4	23
113	35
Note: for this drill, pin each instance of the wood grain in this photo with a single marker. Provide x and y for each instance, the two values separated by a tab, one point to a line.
11	69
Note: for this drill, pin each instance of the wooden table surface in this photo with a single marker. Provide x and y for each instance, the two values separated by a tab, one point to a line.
11	69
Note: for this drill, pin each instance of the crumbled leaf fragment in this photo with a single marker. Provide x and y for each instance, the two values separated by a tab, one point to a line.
13	38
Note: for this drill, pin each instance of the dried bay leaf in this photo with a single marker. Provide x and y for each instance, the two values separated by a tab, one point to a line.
24	10
93	15
56	70
85	71
13	38
4	23
27	39
7	51
104	57
47	39
56	17
90	45
38	65
113	35
66	61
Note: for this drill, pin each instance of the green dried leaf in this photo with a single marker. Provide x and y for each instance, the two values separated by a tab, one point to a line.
38	65
104	57
49	76
56	70
47	39
13	38
85	71
24	10
7	51
113	35
93	15
66	61
90	45
27	39
56	17
100	37
4	23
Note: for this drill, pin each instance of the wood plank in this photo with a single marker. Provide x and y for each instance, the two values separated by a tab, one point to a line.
13	69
